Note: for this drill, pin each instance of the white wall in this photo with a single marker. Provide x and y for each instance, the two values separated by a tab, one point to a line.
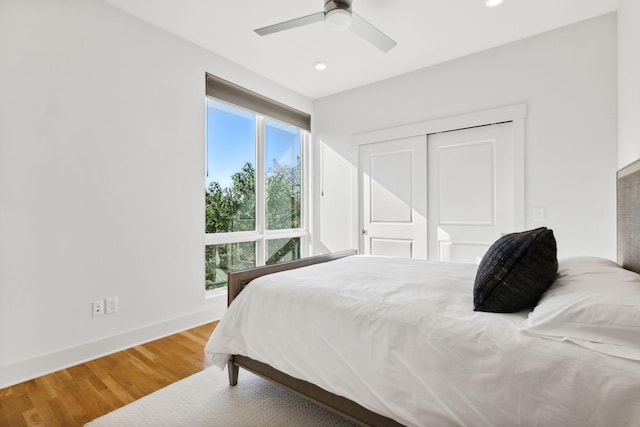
628	81
101	181
567	78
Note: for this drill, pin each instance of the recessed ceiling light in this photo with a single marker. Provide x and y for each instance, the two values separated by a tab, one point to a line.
492	3
320	66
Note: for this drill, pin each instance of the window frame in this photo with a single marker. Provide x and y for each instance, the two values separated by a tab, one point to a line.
261	235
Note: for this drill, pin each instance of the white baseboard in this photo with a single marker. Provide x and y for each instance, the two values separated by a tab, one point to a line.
15	373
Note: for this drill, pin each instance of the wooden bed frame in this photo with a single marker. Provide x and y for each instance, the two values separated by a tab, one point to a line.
628	236
347	408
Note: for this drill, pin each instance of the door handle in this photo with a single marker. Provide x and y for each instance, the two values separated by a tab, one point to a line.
365	232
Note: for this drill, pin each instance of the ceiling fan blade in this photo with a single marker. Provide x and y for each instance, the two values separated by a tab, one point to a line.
371	34
293	23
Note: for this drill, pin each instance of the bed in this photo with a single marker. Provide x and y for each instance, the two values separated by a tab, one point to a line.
386	341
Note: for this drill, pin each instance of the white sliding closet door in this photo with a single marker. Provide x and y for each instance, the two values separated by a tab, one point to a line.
471	191
393	182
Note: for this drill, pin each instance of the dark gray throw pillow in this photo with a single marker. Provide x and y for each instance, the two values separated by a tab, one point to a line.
515	271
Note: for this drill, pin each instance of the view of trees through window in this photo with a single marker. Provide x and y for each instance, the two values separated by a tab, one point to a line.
249	206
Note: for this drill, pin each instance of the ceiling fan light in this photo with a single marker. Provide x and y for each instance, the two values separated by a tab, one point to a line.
338	19
492	3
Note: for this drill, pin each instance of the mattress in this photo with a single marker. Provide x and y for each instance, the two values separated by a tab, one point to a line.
400	338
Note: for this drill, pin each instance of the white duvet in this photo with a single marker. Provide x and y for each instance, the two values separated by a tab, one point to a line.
400	337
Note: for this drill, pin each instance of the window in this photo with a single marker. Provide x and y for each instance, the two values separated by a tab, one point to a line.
255	197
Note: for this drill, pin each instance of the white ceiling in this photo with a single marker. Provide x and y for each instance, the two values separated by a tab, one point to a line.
427	32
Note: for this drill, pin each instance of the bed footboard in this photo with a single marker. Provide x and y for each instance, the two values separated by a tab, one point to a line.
338	404
237	280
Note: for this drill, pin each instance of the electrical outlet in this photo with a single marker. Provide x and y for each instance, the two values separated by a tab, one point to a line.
112	305
97	308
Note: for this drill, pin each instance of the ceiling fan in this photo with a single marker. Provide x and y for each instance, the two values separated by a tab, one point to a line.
337	15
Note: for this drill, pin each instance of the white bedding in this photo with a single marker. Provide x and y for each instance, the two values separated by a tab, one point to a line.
400	337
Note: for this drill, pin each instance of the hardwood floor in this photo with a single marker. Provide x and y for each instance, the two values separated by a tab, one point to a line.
77	395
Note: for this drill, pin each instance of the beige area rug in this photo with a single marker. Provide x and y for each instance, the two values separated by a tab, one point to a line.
206	399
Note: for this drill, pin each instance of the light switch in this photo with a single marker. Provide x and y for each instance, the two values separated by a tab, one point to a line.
538	214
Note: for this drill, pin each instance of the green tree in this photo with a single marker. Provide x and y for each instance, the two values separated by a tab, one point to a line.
233	209
283	196
283	199
228	210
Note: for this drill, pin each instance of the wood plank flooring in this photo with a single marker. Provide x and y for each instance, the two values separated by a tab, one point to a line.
74	396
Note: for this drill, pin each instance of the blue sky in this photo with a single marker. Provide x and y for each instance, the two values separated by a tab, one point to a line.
231	142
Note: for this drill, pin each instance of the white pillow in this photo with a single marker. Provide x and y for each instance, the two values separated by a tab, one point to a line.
594	303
